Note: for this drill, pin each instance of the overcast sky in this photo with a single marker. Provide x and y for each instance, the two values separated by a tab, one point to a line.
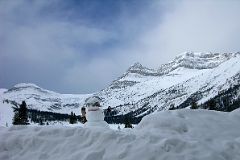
72	46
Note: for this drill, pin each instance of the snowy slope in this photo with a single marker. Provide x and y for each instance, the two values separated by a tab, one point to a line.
39	99
45	100
203	86
6	111
170	135
6	114
140	90
2	90
173	83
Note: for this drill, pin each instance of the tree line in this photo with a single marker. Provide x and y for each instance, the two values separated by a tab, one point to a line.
22	116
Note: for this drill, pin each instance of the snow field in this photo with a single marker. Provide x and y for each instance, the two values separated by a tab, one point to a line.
168	135
6	114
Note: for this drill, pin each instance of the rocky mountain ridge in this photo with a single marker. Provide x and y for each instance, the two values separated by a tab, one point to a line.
141	91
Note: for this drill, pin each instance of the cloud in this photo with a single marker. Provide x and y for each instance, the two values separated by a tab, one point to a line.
194	26
80	47
42	50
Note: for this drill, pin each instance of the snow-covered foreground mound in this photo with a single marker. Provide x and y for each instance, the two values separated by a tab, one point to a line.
170	135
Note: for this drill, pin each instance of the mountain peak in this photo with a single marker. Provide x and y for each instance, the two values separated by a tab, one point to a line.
203	55
140	69
25	85
29	87
196	60
136	66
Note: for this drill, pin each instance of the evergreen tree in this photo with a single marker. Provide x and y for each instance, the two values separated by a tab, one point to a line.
72	118
127	123
212	105
41	122
16	118
21	115
194	105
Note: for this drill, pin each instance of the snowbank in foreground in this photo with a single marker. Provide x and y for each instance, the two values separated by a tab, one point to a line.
170	135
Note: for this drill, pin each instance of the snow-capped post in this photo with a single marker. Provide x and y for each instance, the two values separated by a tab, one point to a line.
83	117
95	115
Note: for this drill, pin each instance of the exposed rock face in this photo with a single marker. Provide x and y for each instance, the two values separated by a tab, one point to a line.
190	76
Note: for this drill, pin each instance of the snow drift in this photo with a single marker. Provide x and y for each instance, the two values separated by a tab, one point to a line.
169	135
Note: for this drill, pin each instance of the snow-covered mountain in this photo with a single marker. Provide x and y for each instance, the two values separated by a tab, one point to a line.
140	90
42	99
198	76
